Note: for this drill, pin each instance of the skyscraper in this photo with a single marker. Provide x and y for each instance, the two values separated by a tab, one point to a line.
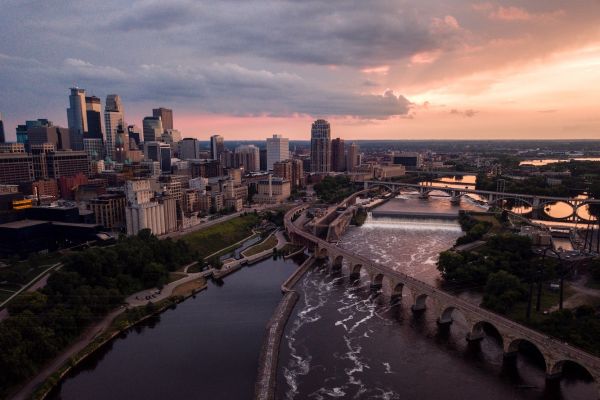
278	149
166	116
248	157
153	129
320	147
353	157
188	149
338	156
217	145
77	117
2	136
93	113
135	133
113	118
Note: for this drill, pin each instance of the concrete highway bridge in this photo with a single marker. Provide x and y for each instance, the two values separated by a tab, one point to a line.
445	305
537	203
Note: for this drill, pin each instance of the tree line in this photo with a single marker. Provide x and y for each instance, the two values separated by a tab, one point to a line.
90	284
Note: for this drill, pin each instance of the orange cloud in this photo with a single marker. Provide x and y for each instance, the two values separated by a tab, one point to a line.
425	57
382	70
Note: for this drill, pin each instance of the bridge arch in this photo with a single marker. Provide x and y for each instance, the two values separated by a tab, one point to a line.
535	354
483	328
377	281
582	206
322	252
337	262
449	313
420	302
559	367
355	271
397	289
548	203
507	198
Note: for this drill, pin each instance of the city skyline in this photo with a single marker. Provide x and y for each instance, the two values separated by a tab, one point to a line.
469	70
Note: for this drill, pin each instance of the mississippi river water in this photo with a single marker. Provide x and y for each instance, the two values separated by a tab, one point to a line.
344	342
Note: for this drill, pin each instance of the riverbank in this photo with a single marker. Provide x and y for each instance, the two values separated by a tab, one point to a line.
266	380
97	336
110	327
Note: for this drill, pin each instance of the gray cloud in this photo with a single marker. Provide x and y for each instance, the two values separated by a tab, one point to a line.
267	57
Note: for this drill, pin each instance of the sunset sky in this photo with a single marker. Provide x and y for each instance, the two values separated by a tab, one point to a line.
376	69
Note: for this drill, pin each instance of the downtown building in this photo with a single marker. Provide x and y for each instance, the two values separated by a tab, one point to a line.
338	155
146	210
2	133
114	118
153	129
290	170
166	117
188	149
278	149
320	147
247	156
77	117
352	157
217	146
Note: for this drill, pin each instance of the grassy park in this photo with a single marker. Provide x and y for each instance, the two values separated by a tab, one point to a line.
217	237
266	244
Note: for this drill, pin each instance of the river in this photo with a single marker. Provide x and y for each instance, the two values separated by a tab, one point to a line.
343	342
206	348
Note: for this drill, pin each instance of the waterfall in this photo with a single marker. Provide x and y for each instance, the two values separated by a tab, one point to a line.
407	222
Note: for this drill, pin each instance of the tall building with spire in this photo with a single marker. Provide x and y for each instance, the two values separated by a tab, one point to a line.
77	117
114	117
320	147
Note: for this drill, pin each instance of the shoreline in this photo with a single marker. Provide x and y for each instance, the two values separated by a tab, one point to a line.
102	339
266	380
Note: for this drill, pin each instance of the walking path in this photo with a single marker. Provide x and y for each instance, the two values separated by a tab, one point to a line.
135	300
87	337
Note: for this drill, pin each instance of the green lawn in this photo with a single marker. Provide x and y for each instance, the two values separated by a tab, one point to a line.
267	244
548	300
225	234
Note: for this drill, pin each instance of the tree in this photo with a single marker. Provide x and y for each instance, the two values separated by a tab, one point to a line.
502	291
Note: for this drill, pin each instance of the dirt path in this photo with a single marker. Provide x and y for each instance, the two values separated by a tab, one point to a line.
72	350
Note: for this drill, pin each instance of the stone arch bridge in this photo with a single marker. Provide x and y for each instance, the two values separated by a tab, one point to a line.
446	306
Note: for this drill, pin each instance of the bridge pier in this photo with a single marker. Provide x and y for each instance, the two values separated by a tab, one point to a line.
455	200
376	287
475	336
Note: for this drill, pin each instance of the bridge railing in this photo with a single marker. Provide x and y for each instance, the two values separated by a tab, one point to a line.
487	192
481	313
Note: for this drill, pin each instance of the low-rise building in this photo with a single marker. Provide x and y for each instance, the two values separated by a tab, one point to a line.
272	190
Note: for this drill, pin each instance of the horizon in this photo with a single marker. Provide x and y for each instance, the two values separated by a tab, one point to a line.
460	71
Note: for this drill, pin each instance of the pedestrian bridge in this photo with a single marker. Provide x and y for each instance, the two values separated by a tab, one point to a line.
446	306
